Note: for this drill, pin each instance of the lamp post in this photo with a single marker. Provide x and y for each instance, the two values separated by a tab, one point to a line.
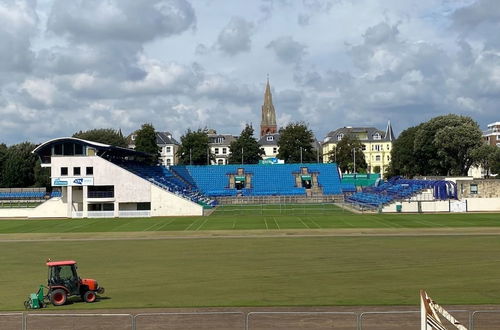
301	155
354	155
242	156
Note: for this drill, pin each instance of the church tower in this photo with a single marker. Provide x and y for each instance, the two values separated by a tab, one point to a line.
268	122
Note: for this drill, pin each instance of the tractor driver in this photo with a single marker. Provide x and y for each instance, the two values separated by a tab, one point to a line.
56	275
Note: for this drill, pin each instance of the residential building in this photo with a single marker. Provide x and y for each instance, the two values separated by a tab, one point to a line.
377	145
219	146
492	134
166	143
269	143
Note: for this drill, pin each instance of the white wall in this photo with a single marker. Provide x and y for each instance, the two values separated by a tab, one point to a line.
412	207
129	188
164	203
53	208
268	151
483	204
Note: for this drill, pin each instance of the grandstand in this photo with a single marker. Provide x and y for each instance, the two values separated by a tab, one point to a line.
261	180
99	180
399	189
27	194
166	179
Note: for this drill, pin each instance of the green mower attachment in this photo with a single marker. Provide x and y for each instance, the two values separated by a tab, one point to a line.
35	300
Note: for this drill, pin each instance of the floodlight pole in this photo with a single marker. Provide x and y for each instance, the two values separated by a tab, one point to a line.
354	155
301	155
241	156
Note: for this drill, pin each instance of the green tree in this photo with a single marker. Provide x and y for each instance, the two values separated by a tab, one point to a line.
444	145
145	141
250	147
484	156
194	148
18	166
403	158
296	142
103	135
345	151
495	164
3	151
42	175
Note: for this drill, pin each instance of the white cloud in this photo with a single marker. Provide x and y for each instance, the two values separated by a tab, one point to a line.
120	20
188	64
40	89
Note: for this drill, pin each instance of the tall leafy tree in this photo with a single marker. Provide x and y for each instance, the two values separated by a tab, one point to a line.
41	175
103	135
403	158
495	163
296	139
3	151
245	148
444	145
18	166
348	150
145	141
486	156
194	148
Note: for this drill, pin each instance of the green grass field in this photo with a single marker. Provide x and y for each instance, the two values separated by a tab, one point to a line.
256	217
265	271
261	271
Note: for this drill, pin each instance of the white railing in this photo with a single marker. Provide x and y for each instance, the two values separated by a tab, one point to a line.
101	214
77	214
134	214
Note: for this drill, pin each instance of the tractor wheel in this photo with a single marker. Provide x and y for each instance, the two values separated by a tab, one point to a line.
58	297
89	297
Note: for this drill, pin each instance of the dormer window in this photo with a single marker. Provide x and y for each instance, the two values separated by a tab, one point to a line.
270	138
376	136
340	136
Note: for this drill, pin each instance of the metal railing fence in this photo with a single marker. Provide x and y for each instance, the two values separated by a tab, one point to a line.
244	320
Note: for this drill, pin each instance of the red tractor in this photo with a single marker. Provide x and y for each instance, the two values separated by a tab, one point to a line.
63	282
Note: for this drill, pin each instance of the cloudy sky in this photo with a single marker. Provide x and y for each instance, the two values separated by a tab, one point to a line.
76	65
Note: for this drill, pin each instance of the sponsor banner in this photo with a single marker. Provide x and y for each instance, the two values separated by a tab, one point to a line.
239	178
271	161
72	181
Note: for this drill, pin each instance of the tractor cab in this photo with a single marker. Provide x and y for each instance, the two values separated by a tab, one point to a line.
63	273
63	281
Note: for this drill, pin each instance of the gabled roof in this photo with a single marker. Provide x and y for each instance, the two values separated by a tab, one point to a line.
165	138
389	134
227	139
370	132
263	141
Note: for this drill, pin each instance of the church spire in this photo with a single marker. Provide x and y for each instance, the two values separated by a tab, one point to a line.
268	122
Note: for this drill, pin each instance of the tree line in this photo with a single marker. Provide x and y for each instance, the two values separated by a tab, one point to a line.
19	167
444	145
